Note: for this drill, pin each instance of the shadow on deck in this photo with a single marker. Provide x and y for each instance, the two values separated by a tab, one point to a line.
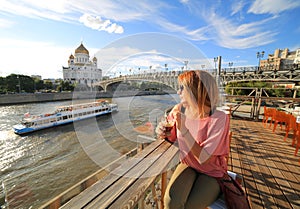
267	163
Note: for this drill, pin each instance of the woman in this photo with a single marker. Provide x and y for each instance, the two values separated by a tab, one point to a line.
202	135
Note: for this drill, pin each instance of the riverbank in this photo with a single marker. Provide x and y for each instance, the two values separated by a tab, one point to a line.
12	99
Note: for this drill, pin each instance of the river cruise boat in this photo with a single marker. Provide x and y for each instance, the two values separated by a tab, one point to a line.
64	115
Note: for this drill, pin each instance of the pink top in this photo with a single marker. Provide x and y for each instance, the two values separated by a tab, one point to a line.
211	134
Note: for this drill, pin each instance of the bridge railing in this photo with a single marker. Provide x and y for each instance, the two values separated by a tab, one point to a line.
251	105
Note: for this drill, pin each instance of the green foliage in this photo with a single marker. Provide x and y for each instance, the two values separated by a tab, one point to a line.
65	86
15	83
272	92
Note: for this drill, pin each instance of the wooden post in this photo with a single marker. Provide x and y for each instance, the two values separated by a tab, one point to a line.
259	103
252	108
154	195
163	188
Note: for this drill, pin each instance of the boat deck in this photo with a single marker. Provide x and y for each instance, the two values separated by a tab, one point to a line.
267	163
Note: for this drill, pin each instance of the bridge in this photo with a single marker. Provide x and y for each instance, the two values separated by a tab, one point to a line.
225	76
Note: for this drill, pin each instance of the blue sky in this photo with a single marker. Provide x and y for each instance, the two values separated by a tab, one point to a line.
37	37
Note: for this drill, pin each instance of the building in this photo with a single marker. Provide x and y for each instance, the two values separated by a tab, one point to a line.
81	70
37	77
281	60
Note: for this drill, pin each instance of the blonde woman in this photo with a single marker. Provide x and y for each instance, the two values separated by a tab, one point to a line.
201	132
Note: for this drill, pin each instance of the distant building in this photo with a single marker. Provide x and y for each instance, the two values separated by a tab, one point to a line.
38	77
281	60
82	70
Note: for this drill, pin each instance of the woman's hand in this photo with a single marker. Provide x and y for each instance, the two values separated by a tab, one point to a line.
160	130
179	117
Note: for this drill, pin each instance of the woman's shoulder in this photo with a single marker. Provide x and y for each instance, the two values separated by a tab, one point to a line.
218	114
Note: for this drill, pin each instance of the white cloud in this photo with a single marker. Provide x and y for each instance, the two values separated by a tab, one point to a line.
230	34
6	23
237	7
272	6
199	34
97	23
184	1
107	15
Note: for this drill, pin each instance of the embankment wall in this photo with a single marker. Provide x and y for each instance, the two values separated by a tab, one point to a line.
11	99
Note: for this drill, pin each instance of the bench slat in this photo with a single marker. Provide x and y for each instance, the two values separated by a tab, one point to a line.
118	188
93	191
139	188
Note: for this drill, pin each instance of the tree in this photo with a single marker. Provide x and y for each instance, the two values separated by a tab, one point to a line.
3	88
65	86
48	85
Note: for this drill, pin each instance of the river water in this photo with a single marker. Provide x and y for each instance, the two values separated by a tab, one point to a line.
39	166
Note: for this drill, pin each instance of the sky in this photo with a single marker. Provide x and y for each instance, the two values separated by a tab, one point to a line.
37	37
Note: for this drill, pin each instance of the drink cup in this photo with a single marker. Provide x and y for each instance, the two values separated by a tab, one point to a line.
168	127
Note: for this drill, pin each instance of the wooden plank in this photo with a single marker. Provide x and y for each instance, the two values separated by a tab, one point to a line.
276	164
138	189
261	173
122	184
284	178
92	192
248	180
235	160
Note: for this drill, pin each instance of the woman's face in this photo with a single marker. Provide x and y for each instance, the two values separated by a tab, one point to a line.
184	95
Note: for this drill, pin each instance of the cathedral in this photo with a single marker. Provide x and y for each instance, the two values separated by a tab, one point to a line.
81	70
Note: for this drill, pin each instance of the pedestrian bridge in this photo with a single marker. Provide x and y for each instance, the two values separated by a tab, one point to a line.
225	76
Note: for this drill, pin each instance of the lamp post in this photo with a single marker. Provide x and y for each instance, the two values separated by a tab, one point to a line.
166	67
259	55
215	61
19	84
230	65
185	64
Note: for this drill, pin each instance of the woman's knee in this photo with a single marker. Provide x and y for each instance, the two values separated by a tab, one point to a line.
179	187
205	191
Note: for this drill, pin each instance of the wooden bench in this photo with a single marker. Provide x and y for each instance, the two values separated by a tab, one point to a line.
128	184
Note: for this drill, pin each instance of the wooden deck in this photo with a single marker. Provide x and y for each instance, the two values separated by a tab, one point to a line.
267	163
270	171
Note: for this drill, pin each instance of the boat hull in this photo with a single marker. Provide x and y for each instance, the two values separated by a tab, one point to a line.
62	118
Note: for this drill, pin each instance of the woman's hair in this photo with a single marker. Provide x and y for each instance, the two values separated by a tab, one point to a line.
202	87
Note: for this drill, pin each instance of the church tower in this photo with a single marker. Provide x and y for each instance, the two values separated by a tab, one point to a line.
81	70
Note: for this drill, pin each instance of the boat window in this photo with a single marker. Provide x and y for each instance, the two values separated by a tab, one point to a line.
65	117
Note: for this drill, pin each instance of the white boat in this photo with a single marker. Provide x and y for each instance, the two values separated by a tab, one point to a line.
64	115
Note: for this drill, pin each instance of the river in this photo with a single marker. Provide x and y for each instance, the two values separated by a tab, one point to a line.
37	167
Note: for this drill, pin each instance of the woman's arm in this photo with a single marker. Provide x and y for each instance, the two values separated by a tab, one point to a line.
194	147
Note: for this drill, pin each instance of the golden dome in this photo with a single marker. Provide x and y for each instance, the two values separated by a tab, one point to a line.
94	59
81	49
71	56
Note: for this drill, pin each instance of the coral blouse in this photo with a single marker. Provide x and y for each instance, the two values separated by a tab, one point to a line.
211	133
